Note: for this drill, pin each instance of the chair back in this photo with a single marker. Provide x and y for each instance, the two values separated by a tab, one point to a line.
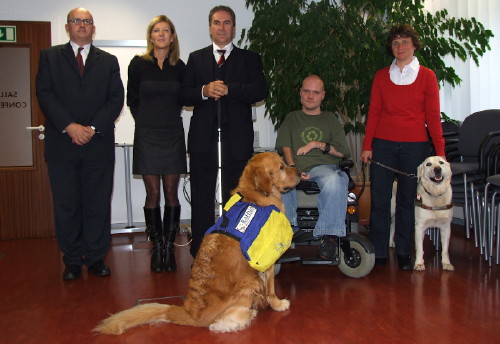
450	134
450	127
474	129
493	160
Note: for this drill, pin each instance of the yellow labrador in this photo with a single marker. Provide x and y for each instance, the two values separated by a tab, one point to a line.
433	207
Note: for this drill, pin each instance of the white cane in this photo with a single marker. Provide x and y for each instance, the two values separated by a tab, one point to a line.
219	120
219	156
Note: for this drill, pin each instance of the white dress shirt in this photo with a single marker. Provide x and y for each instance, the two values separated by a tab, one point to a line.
84	52
408	75
228	48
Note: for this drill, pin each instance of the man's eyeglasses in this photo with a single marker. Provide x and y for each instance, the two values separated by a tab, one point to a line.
78	21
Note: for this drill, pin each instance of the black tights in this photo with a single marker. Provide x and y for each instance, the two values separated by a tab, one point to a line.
170	186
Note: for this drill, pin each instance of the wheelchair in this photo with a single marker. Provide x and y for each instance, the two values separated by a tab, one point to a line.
355	254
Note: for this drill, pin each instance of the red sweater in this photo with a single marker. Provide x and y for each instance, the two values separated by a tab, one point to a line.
400	112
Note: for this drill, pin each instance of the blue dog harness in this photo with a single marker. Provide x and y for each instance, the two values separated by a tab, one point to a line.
264	233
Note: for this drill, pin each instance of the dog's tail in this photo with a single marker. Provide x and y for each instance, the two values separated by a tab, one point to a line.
150	313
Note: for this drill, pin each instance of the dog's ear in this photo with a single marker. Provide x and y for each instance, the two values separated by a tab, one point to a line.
262	179
420	170
255	176
447	169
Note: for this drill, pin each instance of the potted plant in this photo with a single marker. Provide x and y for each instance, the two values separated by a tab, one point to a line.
344	43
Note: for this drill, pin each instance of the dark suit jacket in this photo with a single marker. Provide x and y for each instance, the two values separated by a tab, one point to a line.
94	99
247	85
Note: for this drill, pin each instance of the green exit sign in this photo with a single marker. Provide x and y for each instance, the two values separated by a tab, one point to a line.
8	33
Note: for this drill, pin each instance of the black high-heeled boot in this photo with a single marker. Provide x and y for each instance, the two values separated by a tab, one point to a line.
170	229
154	232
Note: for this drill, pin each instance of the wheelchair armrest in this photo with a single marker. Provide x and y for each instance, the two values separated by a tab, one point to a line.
309	187
345	164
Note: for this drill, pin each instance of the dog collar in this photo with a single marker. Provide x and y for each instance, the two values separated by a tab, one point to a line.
423	187
418	203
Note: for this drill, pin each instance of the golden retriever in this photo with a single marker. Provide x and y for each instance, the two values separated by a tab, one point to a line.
433	208
224	292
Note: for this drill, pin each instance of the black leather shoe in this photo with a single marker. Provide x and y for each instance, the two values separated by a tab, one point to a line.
380	261
328	247
71	272
100	269
405	263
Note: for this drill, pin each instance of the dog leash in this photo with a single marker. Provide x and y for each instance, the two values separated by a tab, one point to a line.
418	201
393	169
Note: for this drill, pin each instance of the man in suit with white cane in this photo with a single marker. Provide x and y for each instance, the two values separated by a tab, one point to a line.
221	82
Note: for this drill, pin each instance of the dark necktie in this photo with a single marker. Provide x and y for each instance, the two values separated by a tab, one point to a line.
79	60
221	58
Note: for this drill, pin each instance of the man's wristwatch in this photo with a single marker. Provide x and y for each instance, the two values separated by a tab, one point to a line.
327	148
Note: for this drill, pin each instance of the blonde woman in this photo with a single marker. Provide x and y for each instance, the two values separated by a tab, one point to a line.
154	81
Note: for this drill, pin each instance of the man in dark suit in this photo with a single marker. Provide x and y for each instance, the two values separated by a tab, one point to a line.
80	106
221	82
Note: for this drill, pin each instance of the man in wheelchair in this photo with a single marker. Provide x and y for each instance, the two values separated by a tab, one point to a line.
314	142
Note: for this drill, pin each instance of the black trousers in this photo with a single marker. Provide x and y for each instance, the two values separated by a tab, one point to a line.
203	180
81	191
406	157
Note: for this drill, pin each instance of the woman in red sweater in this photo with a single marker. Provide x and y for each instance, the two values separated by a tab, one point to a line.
404	111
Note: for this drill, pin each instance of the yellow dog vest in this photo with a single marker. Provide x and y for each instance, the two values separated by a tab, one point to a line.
264	233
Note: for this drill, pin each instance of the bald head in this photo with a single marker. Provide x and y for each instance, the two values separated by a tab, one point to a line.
314	79
78	9
312	94
82	30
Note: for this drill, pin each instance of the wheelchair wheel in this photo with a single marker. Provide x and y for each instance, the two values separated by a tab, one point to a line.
362	257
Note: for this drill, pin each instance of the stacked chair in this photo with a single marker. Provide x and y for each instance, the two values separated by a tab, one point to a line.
451	134
471	158
488	202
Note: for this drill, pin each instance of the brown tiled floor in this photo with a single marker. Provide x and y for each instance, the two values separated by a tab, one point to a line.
387	306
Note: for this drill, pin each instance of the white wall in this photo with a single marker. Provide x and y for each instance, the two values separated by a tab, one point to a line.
480	88
128	19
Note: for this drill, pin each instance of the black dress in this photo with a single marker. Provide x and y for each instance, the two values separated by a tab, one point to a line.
154	100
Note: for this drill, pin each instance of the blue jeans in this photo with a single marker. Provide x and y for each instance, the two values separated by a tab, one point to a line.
332	200
405	157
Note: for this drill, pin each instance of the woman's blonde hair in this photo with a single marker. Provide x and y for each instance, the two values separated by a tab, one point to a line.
173	51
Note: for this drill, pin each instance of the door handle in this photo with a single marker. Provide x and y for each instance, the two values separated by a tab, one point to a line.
39	128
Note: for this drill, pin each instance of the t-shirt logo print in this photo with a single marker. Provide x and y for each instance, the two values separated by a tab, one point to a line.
312	134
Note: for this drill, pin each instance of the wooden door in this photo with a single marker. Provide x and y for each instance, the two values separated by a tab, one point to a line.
26	209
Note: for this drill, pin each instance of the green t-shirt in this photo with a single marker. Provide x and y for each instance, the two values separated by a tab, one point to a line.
298	129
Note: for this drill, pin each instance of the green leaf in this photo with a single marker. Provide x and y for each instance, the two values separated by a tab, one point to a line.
344	42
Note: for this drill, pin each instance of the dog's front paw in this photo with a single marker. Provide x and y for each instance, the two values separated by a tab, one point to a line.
448	267
279	305
419	267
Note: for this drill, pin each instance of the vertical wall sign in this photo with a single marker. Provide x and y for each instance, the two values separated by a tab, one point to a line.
16	146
